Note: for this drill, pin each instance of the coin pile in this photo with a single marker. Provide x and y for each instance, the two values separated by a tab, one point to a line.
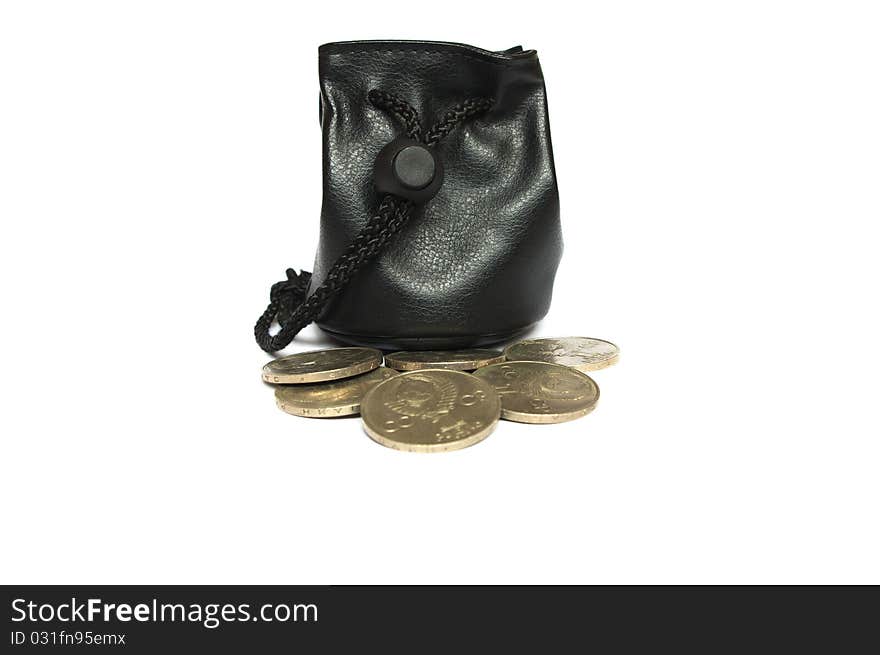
426	401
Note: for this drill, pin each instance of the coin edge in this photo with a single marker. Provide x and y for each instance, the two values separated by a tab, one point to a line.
350	409
332	374
455	366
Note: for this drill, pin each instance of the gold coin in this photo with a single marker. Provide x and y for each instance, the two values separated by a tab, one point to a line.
330	399
321	365
454	360
538	392
582	353
431	410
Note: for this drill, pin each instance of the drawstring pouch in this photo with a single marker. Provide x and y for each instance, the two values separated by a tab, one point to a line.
440	216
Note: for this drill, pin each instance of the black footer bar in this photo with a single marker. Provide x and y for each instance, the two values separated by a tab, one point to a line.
285	619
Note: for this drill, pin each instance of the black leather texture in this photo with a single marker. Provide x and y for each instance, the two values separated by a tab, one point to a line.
475	264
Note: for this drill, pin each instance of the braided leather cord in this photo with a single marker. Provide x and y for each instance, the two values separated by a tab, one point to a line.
454	117
288	304
400	108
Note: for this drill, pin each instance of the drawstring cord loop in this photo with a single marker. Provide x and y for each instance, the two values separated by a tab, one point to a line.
288	304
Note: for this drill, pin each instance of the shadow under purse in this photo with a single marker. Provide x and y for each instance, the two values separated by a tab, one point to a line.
440	217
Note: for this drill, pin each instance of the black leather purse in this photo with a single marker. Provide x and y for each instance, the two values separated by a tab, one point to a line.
440	218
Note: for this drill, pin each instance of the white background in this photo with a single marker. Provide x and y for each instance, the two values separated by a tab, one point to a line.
718	165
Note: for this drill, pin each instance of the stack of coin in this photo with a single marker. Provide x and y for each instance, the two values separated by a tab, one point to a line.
424	401
326	383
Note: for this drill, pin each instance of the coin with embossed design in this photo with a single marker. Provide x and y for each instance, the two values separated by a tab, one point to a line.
430	410
454	360
330	399
321	365
538	392
583	353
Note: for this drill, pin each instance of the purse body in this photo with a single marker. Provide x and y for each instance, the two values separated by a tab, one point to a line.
475	264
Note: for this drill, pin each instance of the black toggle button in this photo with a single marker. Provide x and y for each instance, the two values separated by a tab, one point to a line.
408	169
414	167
